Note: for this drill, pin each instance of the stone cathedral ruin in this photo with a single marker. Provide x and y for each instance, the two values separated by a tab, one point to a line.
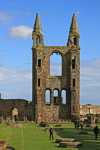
68	81
55	109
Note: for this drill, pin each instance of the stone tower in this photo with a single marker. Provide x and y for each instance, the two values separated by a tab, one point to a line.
42	81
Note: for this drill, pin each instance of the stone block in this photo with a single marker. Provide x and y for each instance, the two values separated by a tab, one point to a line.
83	132
70	144
64	140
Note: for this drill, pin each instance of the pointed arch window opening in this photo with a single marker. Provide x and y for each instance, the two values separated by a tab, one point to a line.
38	81
74	41
55	93
39	62
73	63
63	95
47	96
37	41
56	64
73	82
55	97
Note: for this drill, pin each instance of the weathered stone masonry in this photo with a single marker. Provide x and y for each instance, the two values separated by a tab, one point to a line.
42	81
23	107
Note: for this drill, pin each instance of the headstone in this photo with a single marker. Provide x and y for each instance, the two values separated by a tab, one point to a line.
9	123
25	119
18	125
44	124
3	122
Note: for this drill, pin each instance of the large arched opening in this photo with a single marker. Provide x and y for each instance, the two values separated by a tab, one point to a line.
14	113
56	96
56	64
63	95
47	96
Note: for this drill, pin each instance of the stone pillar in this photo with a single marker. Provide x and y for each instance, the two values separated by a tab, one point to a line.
51	111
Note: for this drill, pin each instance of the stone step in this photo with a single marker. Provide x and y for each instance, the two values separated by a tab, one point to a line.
70	144
64	140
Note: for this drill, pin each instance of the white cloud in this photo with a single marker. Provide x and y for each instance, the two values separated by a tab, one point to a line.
55	69
20	32
4	16
15	82
1	60
77	13
90	82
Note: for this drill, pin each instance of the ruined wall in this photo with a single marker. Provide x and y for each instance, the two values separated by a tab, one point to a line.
71	108
89	109
68	81
24	108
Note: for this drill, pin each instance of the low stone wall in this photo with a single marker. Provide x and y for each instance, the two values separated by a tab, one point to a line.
24	108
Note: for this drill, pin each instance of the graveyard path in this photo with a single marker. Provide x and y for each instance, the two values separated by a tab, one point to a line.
9	135
22	134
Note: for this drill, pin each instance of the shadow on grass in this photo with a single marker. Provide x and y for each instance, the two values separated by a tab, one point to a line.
10	148
89	143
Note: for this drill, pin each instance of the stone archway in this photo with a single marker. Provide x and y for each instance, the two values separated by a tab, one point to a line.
14	113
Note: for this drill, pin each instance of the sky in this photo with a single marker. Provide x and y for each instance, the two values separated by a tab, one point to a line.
16	24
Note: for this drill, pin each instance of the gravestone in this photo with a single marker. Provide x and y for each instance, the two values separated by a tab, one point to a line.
18	125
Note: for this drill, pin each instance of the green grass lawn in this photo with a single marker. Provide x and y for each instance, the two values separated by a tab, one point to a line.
32	137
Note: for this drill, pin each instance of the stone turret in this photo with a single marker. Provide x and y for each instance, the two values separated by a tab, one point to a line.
74	25
37	25
37	34
74	35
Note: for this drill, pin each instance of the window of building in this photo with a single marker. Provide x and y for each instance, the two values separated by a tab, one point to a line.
74	41
63	95
56	64
47	96
73	63
39	62
73	82
37	42
55	93
38	81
